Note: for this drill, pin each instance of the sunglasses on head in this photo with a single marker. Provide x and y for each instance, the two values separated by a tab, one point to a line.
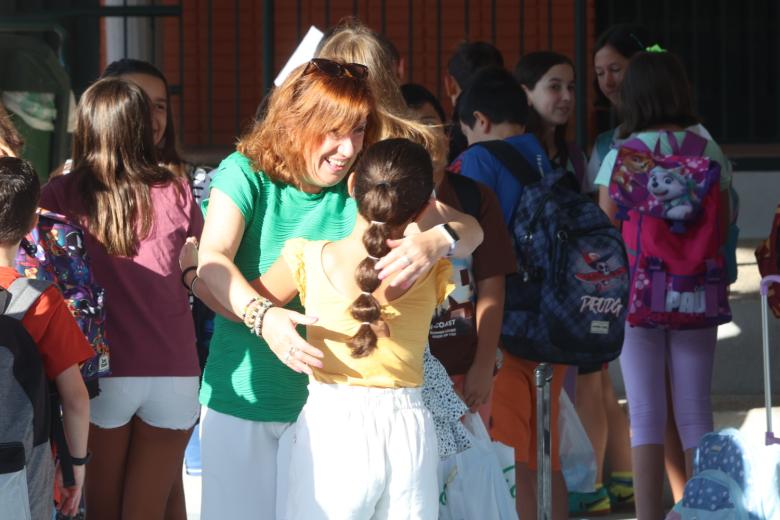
336	69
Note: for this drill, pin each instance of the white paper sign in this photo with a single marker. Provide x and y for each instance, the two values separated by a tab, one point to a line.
303	53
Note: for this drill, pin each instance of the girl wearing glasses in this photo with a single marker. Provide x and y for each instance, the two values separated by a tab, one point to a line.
285	181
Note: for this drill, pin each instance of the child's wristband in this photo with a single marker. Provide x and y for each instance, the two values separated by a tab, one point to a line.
81	461
184	275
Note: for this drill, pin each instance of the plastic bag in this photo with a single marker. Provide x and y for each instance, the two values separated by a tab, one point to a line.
578	460
473	486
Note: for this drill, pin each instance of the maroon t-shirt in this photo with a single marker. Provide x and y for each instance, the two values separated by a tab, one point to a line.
149	326
453	334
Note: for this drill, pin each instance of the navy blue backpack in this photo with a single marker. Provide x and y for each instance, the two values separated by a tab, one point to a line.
568	301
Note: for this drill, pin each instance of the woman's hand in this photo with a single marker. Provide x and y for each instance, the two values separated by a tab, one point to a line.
285	342
188	256
412	256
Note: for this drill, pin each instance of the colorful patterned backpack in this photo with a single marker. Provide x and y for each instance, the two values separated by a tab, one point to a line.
54	250
679	275
671	187
732	479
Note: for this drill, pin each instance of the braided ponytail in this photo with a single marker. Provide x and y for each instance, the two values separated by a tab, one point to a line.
394	181
366	308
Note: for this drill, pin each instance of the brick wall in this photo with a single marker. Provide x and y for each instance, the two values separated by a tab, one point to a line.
237	52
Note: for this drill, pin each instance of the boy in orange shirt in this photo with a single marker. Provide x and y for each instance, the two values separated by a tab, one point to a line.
61	343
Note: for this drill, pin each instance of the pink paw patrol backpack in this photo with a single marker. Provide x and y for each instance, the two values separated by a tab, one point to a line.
670	205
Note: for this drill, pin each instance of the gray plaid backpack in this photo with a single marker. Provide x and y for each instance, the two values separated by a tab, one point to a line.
26	464
568	301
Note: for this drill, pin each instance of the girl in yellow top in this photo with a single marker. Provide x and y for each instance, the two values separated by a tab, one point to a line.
365	446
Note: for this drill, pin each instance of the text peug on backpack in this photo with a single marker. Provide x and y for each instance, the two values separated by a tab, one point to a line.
54	251
679	274
567	303
26	464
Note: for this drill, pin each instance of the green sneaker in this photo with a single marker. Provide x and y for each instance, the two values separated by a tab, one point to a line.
595	503
621	493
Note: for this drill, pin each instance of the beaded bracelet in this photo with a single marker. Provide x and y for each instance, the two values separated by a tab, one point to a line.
251	315
260	316
251	303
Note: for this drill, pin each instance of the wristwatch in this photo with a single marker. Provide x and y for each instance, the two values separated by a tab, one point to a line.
451	235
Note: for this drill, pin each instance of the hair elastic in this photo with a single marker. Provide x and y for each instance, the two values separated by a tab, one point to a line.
366	293
377	223
365	323
373	257
655	48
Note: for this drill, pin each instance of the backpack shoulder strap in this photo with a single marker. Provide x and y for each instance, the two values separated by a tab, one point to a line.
513	160
5	299
577	160
603	143
693	144
24	293
468	193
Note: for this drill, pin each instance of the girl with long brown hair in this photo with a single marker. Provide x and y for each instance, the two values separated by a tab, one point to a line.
136	215
365	445
154	84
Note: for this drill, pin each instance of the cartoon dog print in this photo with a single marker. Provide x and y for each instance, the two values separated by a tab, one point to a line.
673	190
632	163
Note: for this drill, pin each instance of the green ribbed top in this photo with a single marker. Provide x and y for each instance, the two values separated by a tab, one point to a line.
243	377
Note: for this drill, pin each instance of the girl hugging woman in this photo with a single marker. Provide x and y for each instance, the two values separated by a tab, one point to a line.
365	445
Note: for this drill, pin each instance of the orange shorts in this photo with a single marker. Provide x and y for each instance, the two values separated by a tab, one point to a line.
514	409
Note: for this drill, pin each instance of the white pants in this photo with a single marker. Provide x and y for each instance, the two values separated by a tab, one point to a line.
363	454
240	468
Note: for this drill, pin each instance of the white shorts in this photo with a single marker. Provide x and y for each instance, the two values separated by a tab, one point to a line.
363	453
162	402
